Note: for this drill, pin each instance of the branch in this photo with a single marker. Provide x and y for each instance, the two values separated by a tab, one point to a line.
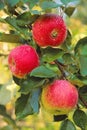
61	68
11	38
2	54
82	100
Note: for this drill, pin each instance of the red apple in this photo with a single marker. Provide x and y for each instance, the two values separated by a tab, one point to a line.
59	97
49	30
22	60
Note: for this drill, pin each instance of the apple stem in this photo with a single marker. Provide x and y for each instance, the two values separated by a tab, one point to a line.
82	100
29	26
61	68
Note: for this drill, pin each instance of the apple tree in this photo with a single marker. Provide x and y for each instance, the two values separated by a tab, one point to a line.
42	26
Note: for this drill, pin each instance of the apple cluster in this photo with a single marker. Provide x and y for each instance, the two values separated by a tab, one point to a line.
59	97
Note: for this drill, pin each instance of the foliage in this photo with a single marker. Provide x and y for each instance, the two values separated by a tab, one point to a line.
66	61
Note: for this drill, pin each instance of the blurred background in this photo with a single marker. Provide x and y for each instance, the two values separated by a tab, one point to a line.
77	24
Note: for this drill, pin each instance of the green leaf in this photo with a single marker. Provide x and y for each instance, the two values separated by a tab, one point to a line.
66	2
51	54
67	125
49	5
34	100
23	106
74	79
67	45
35	12
69	10
81	47
83	79
26	18
1	5
83	65
43	72
83	95
17	80
68	58
80	119
24	32
12	2
32	3
28	104
30	84
81	55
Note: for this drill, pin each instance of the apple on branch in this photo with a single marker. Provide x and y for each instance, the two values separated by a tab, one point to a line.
49	30
22	60
59	97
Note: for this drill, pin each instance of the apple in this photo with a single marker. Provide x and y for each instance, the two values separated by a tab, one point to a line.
49	30
59	98
22	60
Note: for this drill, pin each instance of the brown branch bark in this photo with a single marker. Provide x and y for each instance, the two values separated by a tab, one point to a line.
61	68
82	100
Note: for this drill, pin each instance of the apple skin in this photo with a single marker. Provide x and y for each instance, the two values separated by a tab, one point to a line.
49	30
59	97
22	60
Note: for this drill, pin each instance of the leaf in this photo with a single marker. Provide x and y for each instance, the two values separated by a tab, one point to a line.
68	58
74	79
59	117
83	95
51	54
34	100
29	104
83	79
67	125
24	32
66	2
23	107
81	55
17	80
69	10
81	47
12	2
43	72
67	45
49	5
80	119
32	3
83	65
1	5
30	84
26	18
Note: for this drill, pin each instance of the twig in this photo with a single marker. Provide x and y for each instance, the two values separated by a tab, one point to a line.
61	68
10	38
82	100
1	54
